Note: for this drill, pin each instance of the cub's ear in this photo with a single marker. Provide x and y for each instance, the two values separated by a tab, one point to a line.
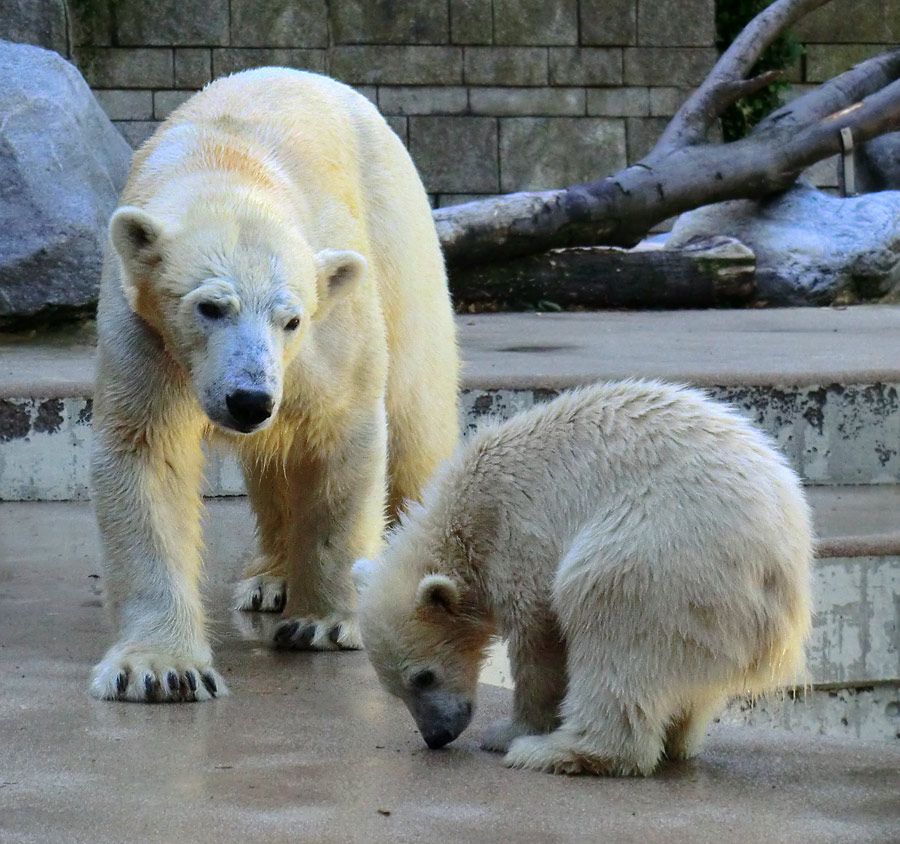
138	238
362	572
437	591
338	271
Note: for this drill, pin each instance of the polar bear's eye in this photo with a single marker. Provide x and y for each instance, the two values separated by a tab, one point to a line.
292	325
423	679
211	310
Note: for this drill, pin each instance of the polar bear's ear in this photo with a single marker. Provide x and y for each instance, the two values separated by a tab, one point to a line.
338	271
137	237
437	591
362	572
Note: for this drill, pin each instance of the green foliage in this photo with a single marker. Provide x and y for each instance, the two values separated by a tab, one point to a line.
731	17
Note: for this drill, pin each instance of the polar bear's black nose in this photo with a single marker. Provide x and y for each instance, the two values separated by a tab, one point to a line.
436	739
249	408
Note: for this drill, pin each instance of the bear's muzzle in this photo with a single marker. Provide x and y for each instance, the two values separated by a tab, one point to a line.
440	716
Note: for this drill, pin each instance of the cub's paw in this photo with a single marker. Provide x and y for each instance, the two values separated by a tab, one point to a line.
499	735
263	593
553	755
154	677
312	634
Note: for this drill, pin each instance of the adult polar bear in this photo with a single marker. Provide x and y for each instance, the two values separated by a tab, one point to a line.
275	283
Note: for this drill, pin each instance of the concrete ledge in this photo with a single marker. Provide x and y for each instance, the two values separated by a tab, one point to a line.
842	434
856	521
783	347
839	433
869	712
48	365
824	383
796	347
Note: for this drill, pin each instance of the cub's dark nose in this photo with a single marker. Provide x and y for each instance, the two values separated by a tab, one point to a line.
249	408
436	739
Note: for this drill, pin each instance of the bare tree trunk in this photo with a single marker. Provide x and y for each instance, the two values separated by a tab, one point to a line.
713	272
684	171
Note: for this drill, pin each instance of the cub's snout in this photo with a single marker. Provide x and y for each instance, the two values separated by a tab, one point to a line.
440	717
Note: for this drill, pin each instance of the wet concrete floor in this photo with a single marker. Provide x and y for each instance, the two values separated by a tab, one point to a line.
309	749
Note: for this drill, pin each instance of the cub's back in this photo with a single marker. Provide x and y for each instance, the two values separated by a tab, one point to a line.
664	459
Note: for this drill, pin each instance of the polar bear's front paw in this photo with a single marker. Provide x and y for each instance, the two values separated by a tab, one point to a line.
553	754
311	634
499	735
263	593
154	677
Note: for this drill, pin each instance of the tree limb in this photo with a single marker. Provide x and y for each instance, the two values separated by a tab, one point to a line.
620	209
728	93
709	272
850	87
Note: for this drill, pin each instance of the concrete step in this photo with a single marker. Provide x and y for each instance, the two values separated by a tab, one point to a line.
823	382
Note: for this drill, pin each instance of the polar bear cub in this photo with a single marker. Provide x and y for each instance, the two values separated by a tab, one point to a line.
273	283
644	550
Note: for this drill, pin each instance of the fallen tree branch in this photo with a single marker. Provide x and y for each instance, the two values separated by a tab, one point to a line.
682	173
728	93
839	93
708	273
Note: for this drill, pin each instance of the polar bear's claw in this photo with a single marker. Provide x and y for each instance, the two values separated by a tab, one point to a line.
329	634
262	593
291	635
152	686
144	679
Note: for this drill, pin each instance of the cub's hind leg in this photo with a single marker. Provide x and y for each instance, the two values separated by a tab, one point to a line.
687	728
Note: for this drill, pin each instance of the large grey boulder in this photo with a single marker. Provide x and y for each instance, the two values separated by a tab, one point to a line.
62	166
811	248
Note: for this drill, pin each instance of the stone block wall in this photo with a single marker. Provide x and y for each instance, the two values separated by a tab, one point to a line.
489	95
844	33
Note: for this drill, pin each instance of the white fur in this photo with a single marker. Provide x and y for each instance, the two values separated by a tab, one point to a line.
644	550
362	571
273	239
